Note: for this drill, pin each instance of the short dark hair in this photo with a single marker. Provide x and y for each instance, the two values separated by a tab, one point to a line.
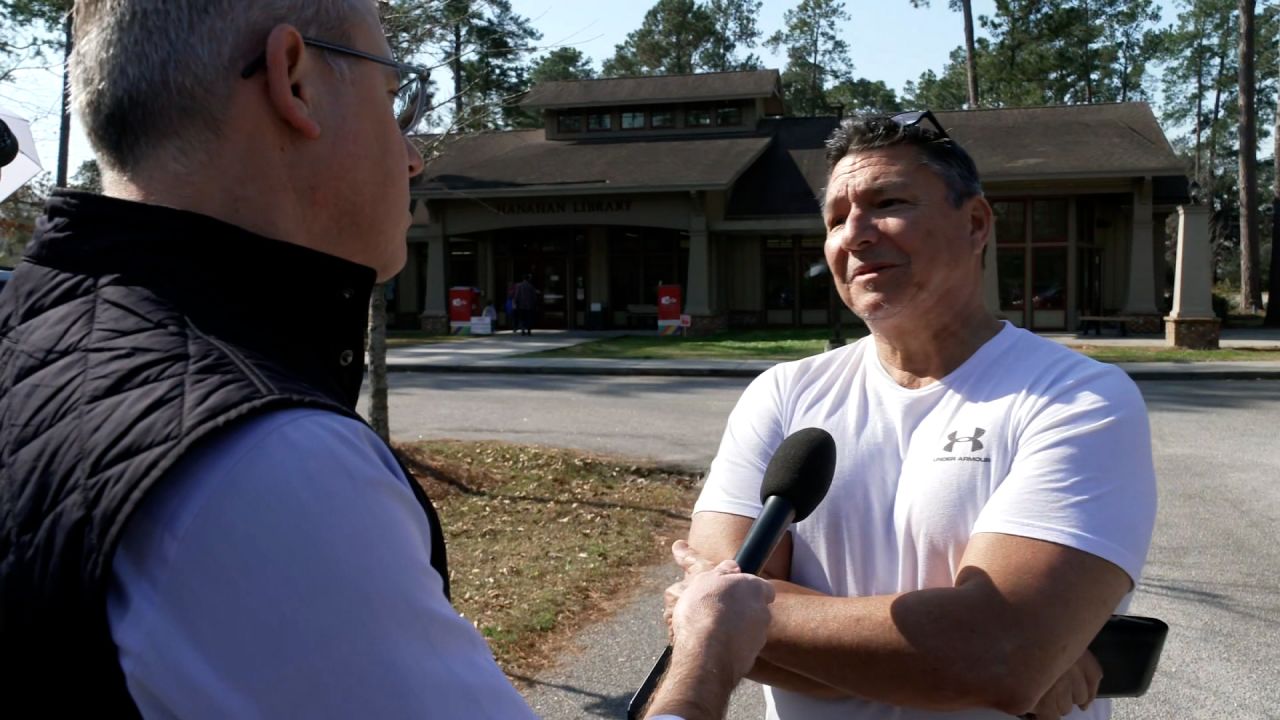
944	155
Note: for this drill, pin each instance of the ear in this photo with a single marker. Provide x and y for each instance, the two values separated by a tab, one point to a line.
981	219
291	79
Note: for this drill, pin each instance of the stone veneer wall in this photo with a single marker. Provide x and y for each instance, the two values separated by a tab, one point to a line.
702	325
1193	334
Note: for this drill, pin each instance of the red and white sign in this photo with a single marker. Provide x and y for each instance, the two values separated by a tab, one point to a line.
461	300
669	302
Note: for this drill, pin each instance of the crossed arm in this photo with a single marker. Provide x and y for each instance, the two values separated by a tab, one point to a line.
1014	626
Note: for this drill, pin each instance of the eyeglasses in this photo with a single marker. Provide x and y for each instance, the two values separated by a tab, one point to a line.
912	119
411	96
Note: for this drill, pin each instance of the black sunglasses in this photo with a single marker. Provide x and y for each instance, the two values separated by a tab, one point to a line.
915	117
411	98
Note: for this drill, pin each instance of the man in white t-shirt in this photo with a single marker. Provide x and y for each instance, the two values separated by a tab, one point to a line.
994	496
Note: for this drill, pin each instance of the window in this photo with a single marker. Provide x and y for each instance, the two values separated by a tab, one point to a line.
728	116
639	259
570	123
1049	221
1031	262
664	119
599	121
797	284
1010	222
633	120
462	262
697	117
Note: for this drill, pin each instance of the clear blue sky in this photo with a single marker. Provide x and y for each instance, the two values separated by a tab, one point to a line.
888	40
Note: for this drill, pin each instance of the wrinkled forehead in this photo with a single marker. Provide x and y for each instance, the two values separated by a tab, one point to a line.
874	168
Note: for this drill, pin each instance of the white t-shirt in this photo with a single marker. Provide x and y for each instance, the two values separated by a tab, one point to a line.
283	569
1025	438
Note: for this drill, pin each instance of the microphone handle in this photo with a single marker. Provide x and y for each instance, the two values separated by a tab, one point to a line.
765	534
639	701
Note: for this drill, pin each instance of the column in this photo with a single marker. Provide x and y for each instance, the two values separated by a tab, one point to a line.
1141	291
1191	323
435	309
697	302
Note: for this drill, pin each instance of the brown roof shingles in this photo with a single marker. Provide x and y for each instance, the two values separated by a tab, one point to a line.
1118	139
498	163
782	168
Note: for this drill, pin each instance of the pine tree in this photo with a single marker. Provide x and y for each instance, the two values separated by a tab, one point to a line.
964	7
668	41
564	63
863	96
482	45
817	54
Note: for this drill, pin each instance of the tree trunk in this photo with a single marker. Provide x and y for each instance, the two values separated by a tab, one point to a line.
971	60
379	417
1199	99
456	66
1273	284
1088	61
64	135
1250	278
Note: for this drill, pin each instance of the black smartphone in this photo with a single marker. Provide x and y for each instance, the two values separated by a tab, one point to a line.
1128	649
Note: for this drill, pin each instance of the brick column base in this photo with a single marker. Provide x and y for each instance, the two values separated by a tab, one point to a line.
702	325
435	324
1192	333
1150	324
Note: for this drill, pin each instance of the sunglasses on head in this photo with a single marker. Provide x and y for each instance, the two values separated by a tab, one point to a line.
916	117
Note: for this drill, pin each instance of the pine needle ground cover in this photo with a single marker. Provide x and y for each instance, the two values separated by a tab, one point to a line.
542	540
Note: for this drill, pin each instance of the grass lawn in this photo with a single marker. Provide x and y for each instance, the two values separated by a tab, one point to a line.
543	540
1161	354
405	338
795	344
732	345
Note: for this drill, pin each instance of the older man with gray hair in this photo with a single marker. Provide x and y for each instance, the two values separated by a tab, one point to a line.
994	497
194	522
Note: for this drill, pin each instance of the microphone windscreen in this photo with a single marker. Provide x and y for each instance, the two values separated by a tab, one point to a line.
801	470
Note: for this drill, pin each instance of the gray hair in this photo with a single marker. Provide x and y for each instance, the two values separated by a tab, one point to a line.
152	74
942	154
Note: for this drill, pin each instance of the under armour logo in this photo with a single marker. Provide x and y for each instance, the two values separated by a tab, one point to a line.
974	444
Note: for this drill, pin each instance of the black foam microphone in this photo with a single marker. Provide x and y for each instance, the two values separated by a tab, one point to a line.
795	482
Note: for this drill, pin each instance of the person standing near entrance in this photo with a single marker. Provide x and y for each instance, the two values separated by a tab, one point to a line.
526	303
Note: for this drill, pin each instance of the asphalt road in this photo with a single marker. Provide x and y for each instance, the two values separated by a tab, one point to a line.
672	420
1213	572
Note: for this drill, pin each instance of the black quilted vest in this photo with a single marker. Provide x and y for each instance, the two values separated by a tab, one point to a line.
129	334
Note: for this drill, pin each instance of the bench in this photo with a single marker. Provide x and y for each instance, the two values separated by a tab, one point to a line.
1097	321
642	316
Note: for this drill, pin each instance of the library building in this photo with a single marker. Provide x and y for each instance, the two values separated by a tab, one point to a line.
700	182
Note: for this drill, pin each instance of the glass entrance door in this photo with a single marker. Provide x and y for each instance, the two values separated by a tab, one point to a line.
552	279
549	257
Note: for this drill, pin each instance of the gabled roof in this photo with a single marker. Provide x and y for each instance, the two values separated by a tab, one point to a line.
526	163
700	87
1111	140
781	168
1043	143
790	175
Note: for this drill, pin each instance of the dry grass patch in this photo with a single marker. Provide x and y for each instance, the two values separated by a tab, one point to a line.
544	540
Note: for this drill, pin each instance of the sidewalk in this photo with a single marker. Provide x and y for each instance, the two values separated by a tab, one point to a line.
513	354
